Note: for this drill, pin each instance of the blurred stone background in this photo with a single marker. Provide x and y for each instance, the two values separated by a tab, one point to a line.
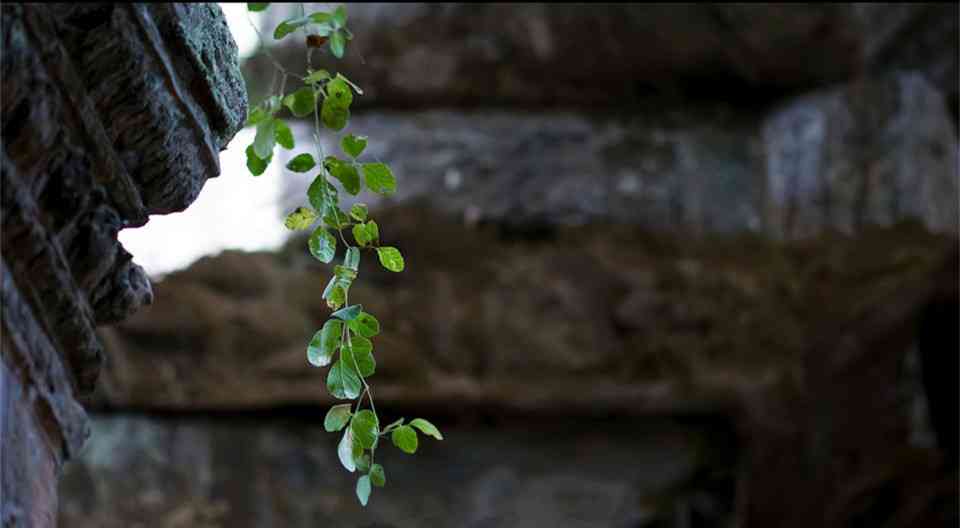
667	265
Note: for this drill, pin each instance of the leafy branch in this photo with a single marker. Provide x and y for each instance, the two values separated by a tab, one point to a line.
345	341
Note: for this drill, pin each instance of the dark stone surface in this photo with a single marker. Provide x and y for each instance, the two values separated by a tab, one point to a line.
104	122
874	152
276	471
610	55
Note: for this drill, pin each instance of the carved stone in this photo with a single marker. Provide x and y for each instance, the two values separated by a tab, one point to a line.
110	113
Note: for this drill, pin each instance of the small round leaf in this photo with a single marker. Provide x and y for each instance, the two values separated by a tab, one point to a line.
427	428
334	117
390	258
379	178
365	325
301	102
363	489
353	145
255	164
323	246
300	218
343	381
405	438
283	134
358	212
366	428
301	163
377	476
345	451
337	417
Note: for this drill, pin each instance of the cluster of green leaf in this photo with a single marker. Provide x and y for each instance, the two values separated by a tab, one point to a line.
345	341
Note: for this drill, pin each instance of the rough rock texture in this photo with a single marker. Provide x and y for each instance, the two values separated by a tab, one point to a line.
735	214
873	152
868	153
649	324
791	342
244	473
103	124
613	54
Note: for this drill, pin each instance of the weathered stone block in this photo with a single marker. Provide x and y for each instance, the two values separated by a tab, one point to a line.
105	120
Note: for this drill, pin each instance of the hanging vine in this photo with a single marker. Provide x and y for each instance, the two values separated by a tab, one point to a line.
345	341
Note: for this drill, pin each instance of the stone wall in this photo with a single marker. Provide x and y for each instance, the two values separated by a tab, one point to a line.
686	265
110	113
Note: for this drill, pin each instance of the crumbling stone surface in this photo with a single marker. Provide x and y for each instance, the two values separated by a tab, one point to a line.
246	472
104	121
611	55
871	152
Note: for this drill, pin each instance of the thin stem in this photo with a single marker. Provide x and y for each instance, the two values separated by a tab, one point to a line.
325	174
266	50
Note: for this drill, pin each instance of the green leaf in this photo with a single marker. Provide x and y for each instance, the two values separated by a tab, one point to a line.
349	178
367	233
256	7
323	246
301	163
345	173
257	115
321	30
353	145
289	26
363	489
255	164
390	258
362	350
366	428
405	438
393	425
265	139
358	212
338	295
336	218
320	17
334	117
351	259
364	325
337	417
377	476
332	194
349	313
343	381
344	273
373	231
317	193
379	178
427	428
337	44
317	76
357	452
363	462
301	102
345	451
315	354
324	343
360	235
300	218
283	134
338	92
340	16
